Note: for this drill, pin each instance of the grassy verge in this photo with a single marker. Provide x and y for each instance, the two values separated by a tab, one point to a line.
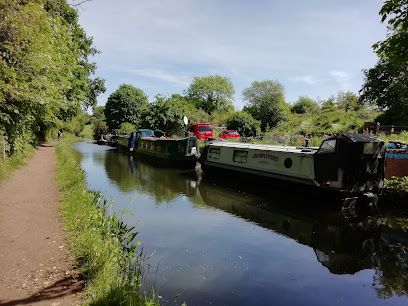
403	137
103	246
11	163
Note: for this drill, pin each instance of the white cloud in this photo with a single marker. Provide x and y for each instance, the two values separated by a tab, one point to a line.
158	74
164	43
342	78
308	79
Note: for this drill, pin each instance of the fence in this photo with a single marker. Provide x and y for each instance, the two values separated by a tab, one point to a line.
375	128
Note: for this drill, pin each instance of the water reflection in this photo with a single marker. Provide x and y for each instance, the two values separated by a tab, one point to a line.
343	245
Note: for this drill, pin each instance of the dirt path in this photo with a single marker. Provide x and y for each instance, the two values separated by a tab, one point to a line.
35	267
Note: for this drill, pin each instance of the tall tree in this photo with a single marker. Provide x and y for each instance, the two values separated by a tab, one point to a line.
265	102
386	84
395	47
165	114
126	104
211	93
45	72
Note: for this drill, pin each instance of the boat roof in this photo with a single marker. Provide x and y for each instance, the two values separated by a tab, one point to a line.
145	130
165	138
264	147
356	138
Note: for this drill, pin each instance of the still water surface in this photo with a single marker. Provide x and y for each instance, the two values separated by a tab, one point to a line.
223	244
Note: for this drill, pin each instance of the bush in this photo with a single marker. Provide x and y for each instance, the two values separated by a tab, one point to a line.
244	123
305	105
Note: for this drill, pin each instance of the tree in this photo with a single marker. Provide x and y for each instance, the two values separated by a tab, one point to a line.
305	105
45	72
211	93
126	104
386	84
98	112
265	102
244	123
126	128
194	115
395	47
329	105
166	115
348	101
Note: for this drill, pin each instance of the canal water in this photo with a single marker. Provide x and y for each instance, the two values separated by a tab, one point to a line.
221	243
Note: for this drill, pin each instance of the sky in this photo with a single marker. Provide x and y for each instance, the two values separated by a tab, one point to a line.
315	48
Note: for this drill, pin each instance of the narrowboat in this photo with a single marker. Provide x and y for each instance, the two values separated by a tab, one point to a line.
180	151
396	159
347	163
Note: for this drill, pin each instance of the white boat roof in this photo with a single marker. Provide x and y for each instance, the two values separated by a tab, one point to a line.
264	147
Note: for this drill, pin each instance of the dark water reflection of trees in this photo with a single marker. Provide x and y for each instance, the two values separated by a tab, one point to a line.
343	244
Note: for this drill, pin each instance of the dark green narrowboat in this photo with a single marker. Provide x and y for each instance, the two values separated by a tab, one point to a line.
175	150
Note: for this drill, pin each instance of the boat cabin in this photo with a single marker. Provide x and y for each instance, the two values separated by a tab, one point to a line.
352	163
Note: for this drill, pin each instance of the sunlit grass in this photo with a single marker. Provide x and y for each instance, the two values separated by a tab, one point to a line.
103	246
9	164
403	137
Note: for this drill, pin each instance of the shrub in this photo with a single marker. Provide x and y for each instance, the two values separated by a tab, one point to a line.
244	123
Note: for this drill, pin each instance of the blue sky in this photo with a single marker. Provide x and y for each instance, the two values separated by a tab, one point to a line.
314	48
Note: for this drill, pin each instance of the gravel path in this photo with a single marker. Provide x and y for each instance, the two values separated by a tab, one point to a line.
35	265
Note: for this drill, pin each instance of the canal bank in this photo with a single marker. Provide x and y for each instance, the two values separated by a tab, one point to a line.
99	241
222	244
35	263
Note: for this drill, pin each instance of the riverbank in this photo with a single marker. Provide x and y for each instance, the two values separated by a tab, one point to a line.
35	265
9	164
99	243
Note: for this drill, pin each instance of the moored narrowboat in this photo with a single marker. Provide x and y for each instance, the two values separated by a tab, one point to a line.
180	151
349	163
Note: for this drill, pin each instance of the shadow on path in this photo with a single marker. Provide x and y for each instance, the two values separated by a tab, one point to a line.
47	145
65	286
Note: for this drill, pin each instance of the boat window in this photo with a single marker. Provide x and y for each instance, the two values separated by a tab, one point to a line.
147	134
328	146
371	148
205	128
214	153
240	156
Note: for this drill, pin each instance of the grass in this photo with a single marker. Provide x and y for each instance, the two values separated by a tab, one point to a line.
8	165
103	246
403	137
324	122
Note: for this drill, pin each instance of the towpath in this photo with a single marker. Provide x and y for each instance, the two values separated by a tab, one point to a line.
35	265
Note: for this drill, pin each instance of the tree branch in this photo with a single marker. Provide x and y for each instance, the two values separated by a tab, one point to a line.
81	2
